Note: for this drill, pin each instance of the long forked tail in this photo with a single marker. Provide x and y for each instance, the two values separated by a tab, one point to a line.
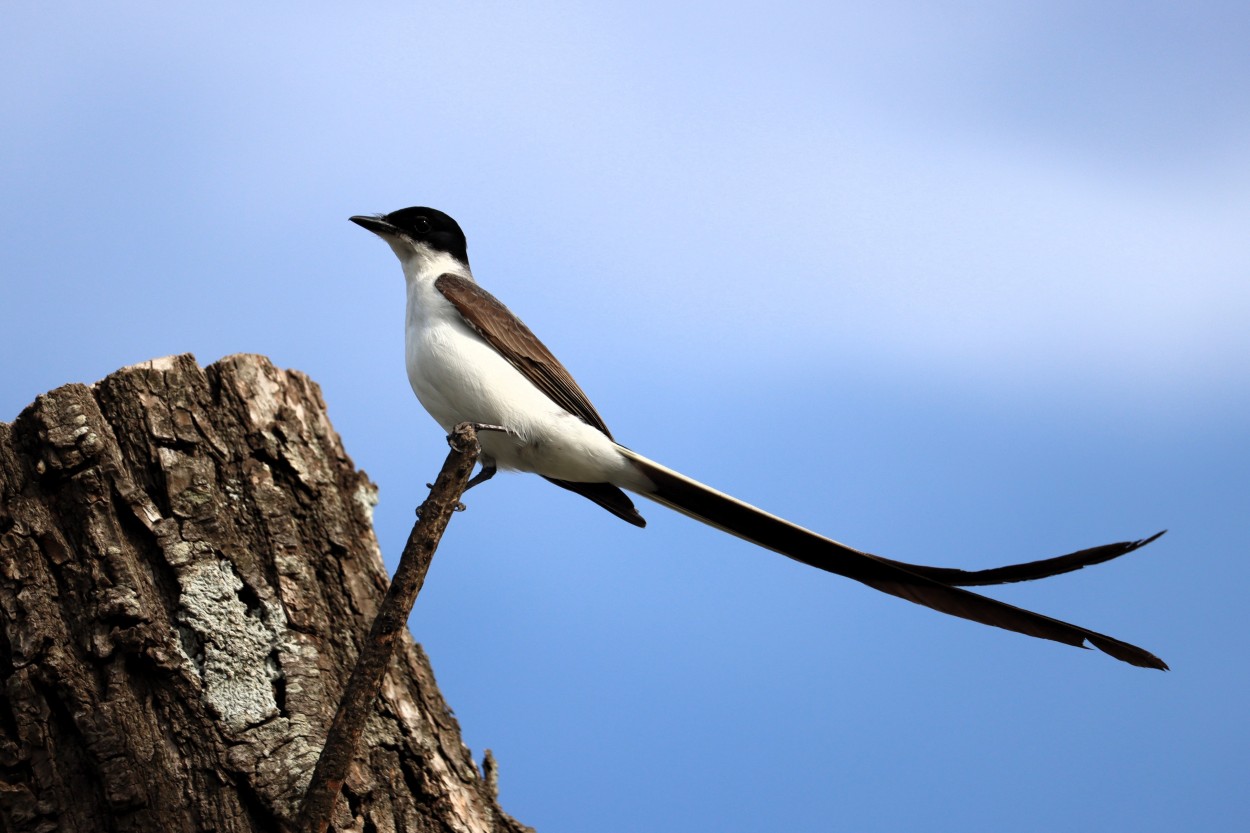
928	586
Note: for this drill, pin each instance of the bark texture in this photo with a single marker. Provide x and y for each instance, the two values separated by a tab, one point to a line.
187	567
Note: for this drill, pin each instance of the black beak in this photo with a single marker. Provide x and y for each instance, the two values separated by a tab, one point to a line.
375	224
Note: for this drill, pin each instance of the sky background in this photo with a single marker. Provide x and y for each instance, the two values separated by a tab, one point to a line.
989	261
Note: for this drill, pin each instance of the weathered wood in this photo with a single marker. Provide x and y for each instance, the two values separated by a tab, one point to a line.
187	568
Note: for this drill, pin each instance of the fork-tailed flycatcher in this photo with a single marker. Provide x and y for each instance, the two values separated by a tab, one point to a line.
471	360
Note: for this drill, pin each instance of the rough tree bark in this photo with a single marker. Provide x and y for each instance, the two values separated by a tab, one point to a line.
187	566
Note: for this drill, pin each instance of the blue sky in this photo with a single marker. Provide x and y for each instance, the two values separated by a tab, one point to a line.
989	260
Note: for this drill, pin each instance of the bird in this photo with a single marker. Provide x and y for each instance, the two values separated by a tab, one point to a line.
470	359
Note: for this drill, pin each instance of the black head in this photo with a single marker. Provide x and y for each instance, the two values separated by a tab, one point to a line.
420	225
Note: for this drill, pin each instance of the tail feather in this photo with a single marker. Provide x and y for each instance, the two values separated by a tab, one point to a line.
914	583
1029	571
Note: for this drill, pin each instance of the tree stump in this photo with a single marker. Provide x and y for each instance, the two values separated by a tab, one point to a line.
187	569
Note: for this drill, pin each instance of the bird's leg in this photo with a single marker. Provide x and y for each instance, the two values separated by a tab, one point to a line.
488	464
487	472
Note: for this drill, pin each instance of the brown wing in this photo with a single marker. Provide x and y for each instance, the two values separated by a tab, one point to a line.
514	341
607	496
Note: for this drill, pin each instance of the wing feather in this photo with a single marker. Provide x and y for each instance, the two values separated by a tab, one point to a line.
516	343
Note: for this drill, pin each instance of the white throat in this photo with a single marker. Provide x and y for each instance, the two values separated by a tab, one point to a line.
422	264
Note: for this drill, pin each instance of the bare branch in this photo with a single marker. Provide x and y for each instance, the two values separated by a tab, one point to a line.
366	680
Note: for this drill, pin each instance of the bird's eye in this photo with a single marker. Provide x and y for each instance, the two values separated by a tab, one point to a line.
421	225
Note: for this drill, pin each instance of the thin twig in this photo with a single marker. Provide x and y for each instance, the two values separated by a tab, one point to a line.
392	618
